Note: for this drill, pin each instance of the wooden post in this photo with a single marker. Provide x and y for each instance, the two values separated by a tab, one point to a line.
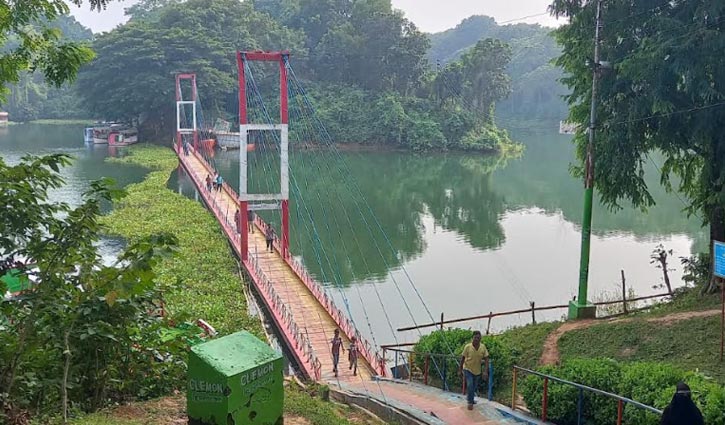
620	411
513	391
441	320
410	368
533	312
624	293
488	325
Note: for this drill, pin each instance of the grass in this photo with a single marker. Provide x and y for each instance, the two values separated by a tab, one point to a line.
203	278
528	341
298	403
691	344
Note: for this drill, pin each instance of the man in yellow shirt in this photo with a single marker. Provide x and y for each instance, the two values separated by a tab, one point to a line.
474	354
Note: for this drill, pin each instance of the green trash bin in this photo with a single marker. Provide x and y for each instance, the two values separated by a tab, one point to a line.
236	379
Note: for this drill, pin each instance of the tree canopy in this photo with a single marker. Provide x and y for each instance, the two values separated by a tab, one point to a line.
30	45
665	93
32	97
535	89
365	60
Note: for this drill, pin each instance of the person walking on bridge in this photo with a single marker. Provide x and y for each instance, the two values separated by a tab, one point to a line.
474	354
238	221
269	237
336	346
250	221
352	355
208	182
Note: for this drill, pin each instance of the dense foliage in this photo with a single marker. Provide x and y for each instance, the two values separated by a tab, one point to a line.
447	346
203	280
86	333
30	97
664	93
30	44
536	91
354	51
649	383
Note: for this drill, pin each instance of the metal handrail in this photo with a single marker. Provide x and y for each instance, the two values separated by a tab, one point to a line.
444	375
621	400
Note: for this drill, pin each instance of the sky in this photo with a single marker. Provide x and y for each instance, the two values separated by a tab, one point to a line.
428	15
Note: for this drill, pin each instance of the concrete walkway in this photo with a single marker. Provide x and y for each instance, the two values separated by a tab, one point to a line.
428	405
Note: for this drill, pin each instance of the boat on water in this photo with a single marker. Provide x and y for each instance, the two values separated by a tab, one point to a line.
123	137
113	134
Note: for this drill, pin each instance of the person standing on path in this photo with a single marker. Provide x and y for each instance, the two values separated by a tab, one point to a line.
474	354
682	410
208	182
250	221
336	346
352	356
237	221
269	237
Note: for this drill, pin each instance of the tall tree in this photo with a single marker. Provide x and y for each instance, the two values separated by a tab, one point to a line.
27	47
132	76
665	93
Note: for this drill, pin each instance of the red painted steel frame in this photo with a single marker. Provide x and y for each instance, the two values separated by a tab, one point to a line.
280	57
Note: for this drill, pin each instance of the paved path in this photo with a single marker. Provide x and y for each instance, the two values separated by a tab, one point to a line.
431	405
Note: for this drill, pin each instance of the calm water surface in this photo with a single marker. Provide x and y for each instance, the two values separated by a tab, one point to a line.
399	238
463	233
88	163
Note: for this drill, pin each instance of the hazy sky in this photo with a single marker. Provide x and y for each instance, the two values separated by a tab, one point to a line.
429	15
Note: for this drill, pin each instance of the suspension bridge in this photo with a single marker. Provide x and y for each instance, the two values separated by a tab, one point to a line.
302	308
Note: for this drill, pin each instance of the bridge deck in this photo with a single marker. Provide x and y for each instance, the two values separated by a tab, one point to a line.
305	322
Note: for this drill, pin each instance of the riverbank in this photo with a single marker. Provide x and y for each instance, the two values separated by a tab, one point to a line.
56	122
683	332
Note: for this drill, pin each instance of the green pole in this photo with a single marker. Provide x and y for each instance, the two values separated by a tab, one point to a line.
581	308
586	240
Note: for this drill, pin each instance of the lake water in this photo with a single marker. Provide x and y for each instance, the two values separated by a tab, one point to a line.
88	164
399	237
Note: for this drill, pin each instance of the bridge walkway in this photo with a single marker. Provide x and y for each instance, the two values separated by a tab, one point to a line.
301	310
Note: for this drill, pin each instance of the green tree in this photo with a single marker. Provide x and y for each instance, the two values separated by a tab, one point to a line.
28	46
31	97
664	93
79	311
196	36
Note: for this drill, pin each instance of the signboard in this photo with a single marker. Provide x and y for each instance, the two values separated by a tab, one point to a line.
719	259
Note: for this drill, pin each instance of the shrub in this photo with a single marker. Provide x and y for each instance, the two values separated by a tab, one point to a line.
648	383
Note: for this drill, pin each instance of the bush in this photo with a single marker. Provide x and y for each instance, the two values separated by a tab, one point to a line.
648	383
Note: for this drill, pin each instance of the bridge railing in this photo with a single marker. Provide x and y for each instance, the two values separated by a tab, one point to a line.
437	370
346	326
343	322
621	401
301	341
